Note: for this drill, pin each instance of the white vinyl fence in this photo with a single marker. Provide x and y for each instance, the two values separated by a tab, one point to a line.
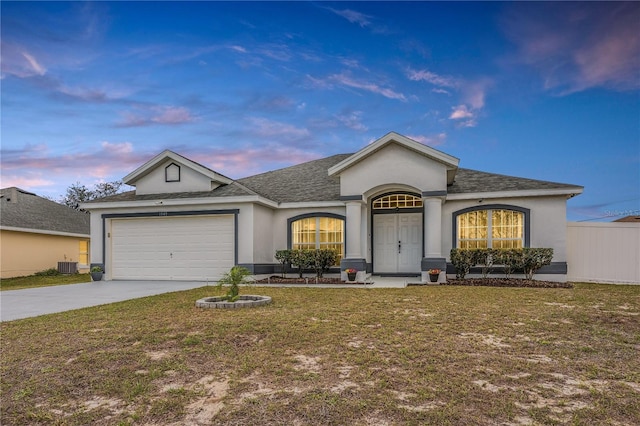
606	252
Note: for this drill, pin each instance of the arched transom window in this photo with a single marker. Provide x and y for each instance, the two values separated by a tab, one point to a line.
318	232
397	201
495	228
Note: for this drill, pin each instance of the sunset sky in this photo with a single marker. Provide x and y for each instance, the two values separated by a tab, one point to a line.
551	91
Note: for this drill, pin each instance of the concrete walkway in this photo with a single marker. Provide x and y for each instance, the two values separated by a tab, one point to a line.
33	302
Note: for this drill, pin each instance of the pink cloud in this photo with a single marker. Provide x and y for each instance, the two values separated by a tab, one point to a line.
578	46
433	140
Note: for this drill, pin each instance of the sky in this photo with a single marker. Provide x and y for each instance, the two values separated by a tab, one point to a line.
546	90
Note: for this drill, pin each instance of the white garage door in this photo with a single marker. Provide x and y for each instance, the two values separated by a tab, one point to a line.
172	248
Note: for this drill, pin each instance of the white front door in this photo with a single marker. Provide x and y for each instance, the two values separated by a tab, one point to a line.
397	243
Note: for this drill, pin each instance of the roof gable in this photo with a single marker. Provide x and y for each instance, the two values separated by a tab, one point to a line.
169	172
450	162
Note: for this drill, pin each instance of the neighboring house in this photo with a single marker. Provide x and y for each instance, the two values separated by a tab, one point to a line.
36	234
396	207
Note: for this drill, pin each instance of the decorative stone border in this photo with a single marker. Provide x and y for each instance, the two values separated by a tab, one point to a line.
246	301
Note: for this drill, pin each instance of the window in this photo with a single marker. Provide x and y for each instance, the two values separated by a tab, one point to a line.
318	232
397	201
83	252
495	228
172	173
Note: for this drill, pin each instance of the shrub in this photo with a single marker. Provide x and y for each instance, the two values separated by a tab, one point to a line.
51	272
462	260
534	259
527	259
511	259
302	259
284	257
322	260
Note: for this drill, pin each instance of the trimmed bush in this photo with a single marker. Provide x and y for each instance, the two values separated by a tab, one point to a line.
534	259
284	257
322	260
462	260
302	259
527	259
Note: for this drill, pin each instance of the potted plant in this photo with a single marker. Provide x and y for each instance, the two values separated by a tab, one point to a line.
351	273
96	273
434	274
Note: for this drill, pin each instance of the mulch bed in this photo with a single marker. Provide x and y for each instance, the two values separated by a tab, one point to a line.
276	279
485	282
507	282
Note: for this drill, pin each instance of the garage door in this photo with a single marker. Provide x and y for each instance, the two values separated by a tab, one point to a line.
172	248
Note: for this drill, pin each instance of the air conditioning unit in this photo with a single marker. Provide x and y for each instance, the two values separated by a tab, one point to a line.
68	267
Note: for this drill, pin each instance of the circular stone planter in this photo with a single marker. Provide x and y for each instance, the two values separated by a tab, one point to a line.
219	302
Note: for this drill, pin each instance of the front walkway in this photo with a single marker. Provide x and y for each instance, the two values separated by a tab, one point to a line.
32	302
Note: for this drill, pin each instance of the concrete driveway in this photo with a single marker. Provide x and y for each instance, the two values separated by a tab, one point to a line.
32	302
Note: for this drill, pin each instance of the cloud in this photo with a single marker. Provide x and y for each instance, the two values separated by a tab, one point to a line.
19	62
434	140
466	117
38	166
265	128
576	46
352	120
344	79
352	16
433	78
148	116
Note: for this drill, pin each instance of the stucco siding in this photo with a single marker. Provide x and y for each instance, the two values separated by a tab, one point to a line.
263	249
400	166
25	253
155	182
547	216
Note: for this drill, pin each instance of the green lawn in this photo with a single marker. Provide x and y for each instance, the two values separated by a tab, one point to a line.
33	281
421	355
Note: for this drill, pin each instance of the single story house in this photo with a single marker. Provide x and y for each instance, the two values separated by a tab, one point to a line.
36	234
396	207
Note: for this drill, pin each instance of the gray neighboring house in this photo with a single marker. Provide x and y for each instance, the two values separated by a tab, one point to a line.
396	207
36	234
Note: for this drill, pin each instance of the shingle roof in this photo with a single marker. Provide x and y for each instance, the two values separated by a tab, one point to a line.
471	181
303	182
310	181
22	209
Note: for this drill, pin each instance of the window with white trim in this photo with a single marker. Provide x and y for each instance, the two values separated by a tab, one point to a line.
492	228
318	233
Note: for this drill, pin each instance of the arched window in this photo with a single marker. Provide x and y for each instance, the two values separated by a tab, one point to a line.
317	232
496	227
397	201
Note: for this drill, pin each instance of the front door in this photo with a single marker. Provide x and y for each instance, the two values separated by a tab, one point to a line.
397	243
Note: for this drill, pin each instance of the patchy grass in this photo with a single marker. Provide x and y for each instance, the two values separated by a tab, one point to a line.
33	281
420	355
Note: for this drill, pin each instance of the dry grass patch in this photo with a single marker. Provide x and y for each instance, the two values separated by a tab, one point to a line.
420	355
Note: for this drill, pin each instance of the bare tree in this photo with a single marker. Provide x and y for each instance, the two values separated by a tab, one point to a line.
78	193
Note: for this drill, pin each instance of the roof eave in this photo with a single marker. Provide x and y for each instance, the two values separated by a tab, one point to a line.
569	192
178	202
143	170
